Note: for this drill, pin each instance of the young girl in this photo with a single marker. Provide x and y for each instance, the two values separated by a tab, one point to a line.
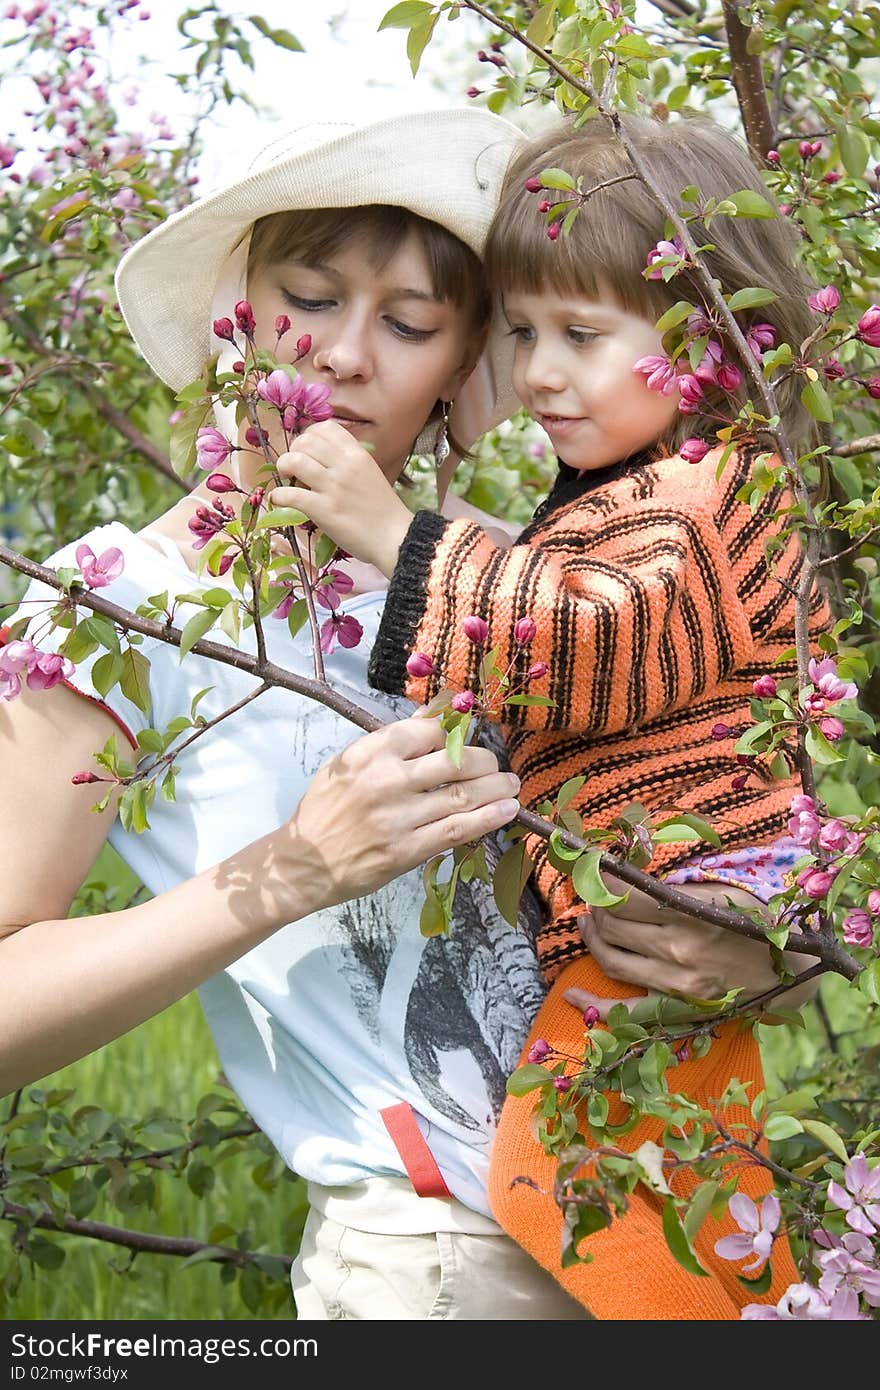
655	611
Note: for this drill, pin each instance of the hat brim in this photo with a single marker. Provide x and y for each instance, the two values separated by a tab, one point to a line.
444	165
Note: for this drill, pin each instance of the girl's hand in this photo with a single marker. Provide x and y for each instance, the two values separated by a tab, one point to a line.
664	950
386	803
342	489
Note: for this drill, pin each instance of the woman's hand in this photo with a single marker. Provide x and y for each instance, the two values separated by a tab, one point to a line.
665	950
388	802
342	489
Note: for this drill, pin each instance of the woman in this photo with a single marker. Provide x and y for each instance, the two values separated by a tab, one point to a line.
340	1028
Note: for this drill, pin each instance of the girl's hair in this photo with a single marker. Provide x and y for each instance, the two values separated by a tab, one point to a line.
312	236
606	250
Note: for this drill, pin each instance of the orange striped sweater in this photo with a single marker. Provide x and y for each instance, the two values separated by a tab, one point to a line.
656	609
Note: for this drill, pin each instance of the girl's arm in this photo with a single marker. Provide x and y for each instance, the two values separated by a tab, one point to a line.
385	804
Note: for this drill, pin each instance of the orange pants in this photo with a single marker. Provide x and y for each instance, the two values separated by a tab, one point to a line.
633	1275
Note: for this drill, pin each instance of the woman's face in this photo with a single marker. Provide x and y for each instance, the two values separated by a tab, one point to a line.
381	340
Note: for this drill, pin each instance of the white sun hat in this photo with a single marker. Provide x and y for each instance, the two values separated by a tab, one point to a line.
446	165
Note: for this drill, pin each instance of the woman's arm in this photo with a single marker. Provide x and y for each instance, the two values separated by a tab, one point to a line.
388	802
664	950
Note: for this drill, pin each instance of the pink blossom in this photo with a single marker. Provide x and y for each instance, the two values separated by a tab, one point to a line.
868	326
49	669
418	665
858	929
659	373
553	232
333	583
690	393
279	389
757	1231
524	630
694	450
591	1015
538	669
848	1260
308	406
671	253
860	1198
824	301
539	1049
562	1084
16	659
834	369
220	482
832	728
463	702
833	835
212	448
340	628
7	155
729	377
225	329
801	802
282	325
764	687
824	676
874	902
804	827
475	629
101	570
807	1304
244	317
208	522
760	337
815	882
721	731
303	346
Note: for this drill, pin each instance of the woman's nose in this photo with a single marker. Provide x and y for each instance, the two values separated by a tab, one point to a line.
345	356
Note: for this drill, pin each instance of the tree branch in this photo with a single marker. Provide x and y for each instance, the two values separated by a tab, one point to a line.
748	82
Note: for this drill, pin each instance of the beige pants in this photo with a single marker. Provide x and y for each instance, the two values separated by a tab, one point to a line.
344	1273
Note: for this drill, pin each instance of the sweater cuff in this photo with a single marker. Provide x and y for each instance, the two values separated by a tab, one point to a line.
405	604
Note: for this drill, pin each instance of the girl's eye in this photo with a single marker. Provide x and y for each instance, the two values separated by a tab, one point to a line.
581	336
308	306
522	333
407	331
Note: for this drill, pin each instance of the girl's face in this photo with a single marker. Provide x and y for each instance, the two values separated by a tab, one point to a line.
381	340
573	371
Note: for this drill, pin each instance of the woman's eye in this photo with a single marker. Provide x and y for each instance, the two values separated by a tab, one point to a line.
406	330
308	306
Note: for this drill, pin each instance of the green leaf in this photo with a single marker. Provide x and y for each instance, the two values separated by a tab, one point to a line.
783	1127
510	877
45	1253
760	1284
588	882
568	791
817	401
456	736
676	1239
135	679
868	981
281	516
557	178
197	626
418	40
855	149
674	316
526	1078
282	38
749	299
182	441
751	204
540	29
107	670
403	16
827	1136
818	747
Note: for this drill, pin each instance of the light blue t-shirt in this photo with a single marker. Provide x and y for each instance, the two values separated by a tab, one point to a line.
350	1010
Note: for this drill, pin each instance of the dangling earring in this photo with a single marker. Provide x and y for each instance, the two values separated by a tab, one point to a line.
441	443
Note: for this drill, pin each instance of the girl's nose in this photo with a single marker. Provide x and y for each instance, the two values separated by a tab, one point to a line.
542	371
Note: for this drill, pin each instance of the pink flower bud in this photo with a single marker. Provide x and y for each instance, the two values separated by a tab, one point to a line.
524	631
764	687
833	834
475	629
729	377
418	665
874	902
463	702
802	802
253	437
832	728
694	450
562	1084
739	781
539	1049
834	369
533	184
815	882
805	149
824	301
721	731
868	326
545	205
591	1015
303	345
244	317
282	325
804	827
81	779
472	92
224	328
537	670
784	209
858	929
256	498
220	482
872	386
831	177
553	233
690	393
772	156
